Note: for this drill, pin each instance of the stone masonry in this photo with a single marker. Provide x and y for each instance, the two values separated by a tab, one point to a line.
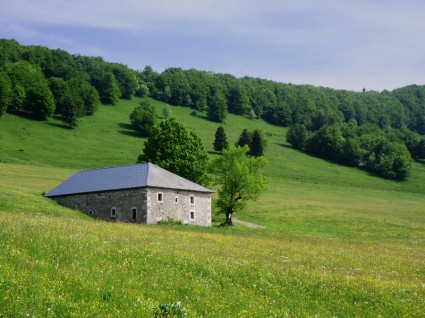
144	205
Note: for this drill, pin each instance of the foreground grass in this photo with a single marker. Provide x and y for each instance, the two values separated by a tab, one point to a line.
57	262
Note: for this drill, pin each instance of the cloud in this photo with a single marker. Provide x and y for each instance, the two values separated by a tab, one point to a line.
307	40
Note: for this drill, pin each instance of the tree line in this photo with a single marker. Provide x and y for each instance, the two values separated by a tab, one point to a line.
38	82
29	84
285	104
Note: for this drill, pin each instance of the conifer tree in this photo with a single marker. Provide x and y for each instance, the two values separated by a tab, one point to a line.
257	144
220	141
244	138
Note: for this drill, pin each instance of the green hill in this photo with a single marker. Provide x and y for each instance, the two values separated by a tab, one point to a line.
338	242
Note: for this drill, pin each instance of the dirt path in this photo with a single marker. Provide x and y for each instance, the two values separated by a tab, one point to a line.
247	224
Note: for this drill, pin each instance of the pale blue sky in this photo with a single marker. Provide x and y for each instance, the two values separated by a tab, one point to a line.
347	44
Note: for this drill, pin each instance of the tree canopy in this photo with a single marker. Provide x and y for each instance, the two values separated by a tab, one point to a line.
143	118
5	92
33	72
240	179
174	148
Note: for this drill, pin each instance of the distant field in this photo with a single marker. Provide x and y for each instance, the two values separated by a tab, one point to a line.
339	242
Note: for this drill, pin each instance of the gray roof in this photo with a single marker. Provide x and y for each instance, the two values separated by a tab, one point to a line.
124	177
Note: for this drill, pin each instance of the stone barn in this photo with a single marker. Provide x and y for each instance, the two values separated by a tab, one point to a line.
141	193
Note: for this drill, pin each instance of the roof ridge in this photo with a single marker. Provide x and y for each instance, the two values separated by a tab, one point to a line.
148	164
104	168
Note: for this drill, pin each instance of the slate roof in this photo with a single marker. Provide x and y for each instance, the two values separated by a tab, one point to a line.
124	177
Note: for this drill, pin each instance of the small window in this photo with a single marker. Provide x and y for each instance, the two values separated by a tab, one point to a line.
90	212
134	213
192	199
113	212
192	215
176	200
160	197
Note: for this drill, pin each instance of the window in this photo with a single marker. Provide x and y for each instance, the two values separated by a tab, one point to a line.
176	199
133	213
192	215
90	212
192	199
113	212
160	197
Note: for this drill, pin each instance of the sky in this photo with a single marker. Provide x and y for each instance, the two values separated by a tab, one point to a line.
343	44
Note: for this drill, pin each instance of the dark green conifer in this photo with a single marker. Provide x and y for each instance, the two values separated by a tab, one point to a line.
220	141
257	144
244	138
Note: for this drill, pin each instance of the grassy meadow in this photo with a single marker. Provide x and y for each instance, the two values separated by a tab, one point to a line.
338	242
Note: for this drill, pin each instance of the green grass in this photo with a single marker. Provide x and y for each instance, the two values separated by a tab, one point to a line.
339	242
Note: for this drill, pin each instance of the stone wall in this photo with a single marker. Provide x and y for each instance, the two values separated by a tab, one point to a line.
190	208
100	204
177	205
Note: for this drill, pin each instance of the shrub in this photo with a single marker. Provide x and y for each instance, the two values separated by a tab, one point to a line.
297	136
171	310
143	118
390	160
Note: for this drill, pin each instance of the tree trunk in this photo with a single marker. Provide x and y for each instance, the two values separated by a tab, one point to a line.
228	219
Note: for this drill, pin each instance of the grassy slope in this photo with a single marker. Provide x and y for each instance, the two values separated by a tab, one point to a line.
340	242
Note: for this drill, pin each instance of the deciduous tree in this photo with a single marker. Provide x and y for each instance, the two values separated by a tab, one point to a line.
143	118
31	90
240	179
174	148
297	136
126	80
5	92
217	108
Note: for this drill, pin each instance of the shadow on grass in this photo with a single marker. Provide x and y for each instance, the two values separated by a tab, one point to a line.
312	155
285	146
60	126
204	117
128	130
27	116
420	161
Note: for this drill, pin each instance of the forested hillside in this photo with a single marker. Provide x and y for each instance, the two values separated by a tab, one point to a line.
286	104
380	131
39	82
